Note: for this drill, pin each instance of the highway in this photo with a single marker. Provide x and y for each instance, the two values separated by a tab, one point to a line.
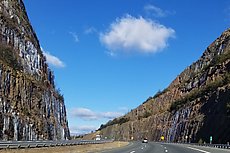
152	147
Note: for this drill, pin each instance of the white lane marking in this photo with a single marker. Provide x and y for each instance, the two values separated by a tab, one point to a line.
198	150
132	151
142	148
166	150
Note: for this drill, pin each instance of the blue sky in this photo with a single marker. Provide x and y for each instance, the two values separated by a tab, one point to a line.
110	56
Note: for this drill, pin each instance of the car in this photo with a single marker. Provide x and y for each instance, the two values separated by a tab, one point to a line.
98	137
145	140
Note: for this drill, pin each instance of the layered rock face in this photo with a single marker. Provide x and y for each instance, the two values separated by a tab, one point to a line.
195	106
30	106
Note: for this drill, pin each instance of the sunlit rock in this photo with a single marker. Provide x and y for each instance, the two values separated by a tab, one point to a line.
192	108
30	106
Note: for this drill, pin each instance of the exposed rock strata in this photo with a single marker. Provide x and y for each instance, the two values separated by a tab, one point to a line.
30	106
195	106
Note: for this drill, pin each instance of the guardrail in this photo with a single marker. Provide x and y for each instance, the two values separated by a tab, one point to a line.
223	146
37	144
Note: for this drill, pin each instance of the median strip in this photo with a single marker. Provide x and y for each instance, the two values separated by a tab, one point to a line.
198	150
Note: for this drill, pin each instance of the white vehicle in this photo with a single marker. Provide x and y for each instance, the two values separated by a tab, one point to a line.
98	137
145	140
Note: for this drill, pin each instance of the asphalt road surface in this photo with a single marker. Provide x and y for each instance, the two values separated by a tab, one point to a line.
152	147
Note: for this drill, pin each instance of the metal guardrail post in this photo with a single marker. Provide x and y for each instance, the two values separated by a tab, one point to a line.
37	144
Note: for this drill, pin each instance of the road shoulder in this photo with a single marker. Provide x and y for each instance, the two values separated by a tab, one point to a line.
94	148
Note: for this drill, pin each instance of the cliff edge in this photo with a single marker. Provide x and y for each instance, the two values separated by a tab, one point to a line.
30	106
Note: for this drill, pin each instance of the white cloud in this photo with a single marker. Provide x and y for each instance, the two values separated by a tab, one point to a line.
75	36
111	53
53	60
156	11
90	30
111	115
78	130
130	34
87	114
84	113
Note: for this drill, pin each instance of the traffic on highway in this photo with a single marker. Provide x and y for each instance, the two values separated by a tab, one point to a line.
154	147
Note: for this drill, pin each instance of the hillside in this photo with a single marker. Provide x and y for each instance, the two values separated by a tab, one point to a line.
195	106
30	106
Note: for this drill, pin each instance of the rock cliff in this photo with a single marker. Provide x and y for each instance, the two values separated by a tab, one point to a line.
30	106
195	106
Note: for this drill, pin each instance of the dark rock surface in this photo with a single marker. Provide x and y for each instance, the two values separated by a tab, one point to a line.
30	106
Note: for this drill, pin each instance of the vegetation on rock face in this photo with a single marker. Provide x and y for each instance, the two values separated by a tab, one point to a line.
31	108
147	114
8	56
59	94
199	92
160	93
198	101
156	95
223	57
218	59
115	121
12	21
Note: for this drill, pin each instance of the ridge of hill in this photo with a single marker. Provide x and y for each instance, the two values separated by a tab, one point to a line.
195	106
